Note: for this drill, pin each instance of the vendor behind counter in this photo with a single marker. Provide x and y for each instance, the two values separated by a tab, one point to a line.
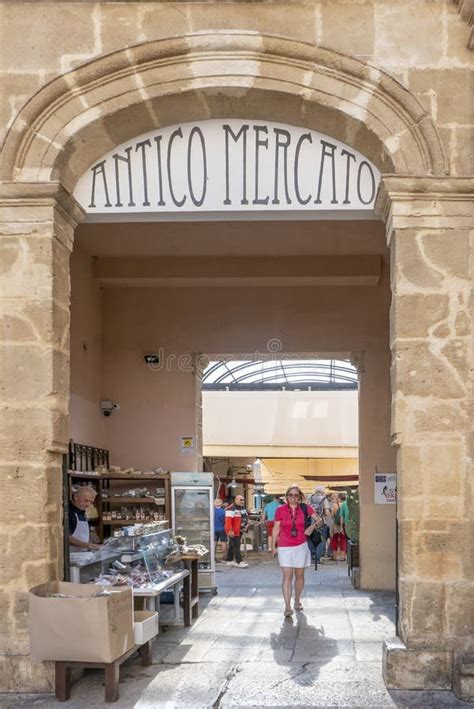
79	533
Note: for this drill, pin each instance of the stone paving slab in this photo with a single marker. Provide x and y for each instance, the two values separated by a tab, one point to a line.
242	652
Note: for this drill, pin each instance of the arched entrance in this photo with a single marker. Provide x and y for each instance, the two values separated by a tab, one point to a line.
73	121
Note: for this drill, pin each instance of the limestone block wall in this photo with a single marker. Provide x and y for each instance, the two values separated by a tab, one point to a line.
423	45
430	237
390	78
36	235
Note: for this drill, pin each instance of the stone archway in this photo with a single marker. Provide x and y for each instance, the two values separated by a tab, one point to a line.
78	117
96	104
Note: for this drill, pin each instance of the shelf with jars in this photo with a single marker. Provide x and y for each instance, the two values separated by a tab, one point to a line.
123	498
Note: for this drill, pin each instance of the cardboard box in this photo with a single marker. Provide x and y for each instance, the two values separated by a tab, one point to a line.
82	628
145	626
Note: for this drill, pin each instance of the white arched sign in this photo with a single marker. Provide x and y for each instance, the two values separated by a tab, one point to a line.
223	166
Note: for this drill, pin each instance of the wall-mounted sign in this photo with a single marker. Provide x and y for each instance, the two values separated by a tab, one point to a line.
229	165
385	488
186	445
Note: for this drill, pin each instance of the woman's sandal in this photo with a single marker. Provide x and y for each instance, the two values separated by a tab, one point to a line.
288	613
298	607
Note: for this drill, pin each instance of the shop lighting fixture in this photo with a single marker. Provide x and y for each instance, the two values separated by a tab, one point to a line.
257	471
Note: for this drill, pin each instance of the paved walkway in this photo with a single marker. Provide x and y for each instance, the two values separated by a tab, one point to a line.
241	652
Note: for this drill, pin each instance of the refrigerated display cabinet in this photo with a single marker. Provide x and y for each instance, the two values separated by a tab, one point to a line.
192	511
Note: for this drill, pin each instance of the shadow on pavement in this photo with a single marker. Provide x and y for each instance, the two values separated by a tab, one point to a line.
309	644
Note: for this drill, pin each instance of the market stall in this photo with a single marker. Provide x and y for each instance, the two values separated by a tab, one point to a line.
121	559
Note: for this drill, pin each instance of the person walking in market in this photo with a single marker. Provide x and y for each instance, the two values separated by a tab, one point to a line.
269	514
343	516
322	506
236	523
290	533
220	536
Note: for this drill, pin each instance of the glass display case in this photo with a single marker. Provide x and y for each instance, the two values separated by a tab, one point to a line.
141	561
160	555
192	509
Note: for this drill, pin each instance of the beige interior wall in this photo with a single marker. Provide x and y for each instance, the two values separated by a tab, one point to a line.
157	405
157	408
377	525
86	420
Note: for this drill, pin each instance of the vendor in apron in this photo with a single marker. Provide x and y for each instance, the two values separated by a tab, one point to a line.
79	535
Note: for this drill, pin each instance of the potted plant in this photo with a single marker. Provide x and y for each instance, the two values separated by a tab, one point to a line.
352	531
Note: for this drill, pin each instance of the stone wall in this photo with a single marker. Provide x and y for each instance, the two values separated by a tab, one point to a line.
423	45
390	78
430	237
36	241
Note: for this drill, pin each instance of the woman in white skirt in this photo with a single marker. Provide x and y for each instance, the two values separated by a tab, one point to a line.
290	543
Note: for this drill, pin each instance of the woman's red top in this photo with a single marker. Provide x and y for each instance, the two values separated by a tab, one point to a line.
285	515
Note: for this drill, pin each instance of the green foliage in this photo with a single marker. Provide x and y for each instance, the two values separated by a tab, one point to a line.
352	526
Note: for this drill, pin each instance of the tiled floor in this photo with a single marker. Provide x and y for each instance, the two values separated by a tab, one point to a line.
241	652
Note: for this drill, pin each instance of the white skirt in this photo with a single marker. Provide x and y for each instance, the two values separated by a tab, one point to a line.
295	557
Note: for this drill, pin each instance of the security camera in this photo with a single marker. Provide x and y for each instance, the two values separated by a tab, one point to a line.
152	359
108	406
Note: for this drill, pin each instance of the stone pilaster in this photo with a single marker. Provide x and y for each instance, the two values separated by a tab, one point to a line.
36	236
429	229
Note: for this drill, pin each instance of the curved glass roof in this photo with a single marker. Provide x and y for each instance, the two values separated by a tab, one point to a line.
279	374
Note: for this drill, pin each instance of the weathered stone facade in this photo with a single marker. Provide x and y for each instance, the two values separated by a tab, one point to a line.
429	228
392	79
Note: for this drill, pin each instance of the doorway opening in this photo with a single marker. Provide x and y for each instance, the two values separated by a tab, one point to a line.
270	422
146	297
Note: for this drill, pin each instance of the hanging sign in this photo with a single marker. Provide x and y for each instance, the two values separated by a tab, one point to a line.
385	488
229	165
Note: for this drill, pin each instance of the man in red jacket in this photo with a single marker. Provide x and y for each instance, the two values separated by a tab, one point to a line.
236	523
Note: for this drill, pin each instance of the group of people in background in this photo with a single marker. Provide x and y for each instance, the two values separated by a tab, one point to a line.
332	509
334	512
231	521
